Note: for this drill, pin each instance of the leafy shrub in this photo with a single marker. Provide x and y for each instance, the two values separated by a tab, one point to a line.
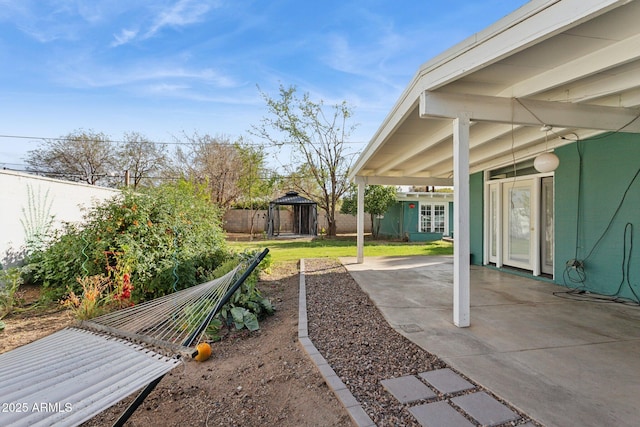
92	301
247	305
10	281
166	239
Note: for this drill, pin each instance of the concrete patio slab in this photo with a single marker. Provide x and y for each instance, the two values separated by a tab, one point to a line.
560	361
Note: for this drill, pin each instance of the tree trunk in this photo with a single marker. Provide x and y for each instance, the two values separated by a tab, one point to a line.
332	230
374	231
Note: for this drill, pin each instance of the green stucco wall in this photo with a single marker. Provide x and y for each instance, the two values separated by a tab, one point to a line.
391	224
476	212
587	226
411	217
401	222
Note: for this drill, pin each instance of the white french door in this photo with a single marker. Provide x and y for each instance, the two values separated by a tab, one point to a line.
517	224
520	224
546	226
495	219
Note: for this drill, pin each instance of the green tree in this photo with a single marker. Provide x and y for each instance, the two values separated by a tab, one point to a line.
319	136
377	201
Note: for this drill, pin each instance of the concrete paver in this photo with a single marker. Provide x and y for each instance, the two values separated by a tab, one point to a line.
485	409
408	389
446	381
439	414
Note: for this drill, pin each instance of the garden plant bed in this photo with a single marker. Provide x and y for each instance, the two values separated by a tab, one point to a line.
251	379
264	377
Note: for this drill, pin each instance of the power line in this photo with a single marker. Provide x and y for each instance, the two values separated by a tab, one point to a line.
43	172
115	141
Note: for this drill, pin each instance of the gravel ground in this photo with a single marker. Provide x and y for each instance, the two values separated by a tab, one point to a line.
362	348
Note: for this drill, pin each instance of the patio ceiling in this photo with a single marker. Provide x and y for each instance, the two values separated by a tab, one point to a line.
571	64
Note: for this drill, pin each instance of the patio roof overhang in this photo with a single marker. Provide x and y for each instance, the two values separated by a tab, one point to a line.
552	62
570	64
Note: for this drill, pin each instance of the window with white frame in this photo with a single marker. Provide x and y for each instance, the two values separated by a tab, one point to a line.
433	218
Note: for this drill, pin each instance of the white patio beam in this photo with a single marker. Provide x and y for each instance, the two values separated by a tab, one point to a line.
430	159
628	99
438	156
601	60
526	152
406	180
599	88
433	139
529	112
461	251
528	142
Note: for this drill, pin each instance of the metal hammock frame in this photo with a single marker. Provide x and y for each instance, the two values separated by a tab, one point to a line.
150	338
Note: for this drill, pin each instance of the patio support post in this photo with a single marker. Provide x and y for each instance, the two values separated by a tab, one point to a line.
461	252
360	220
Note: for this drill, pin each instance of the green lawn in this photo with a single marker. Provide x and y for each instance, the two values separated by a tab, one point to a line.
293	250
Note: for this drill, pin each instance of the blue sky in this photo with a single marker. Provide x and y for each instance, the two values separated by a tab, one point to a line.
164	67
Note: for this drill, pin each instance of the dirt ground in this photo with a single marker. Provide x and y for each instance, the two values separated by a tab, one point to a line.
259	378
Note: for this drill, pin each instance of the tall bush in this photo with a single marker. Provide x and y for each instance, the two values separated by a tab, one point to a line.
164	239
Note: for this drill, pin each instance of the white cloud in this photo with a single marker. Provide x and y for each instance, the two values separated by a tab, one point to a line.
166	88
184	12
165	77
124	37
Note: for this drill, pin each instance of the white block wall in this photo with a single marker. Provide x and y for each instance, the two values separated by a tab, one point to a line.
66	200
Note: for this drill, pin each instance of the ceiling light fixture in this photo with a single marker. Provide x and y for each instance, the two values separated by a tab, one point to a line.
547	161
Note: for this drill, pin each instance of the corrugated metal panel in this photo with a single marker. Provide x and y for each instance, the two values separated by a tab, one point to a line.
72	375
293	198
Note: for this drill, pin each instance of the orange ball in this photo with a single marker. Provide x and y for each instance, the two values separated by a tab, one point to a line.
204	352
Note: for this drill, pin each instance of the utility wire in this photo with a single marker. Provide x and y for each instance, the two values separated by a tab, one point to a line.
116	141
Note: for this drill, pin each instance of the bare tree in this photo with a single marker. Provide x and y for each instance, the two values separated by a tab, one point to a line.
143	159
256	183
81	156
319	135
217	162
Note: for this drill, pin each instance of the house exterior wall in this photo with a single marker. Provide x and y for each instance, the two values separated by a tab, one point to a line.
594	219
391	225
476	213
24	195
402	221
594	215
